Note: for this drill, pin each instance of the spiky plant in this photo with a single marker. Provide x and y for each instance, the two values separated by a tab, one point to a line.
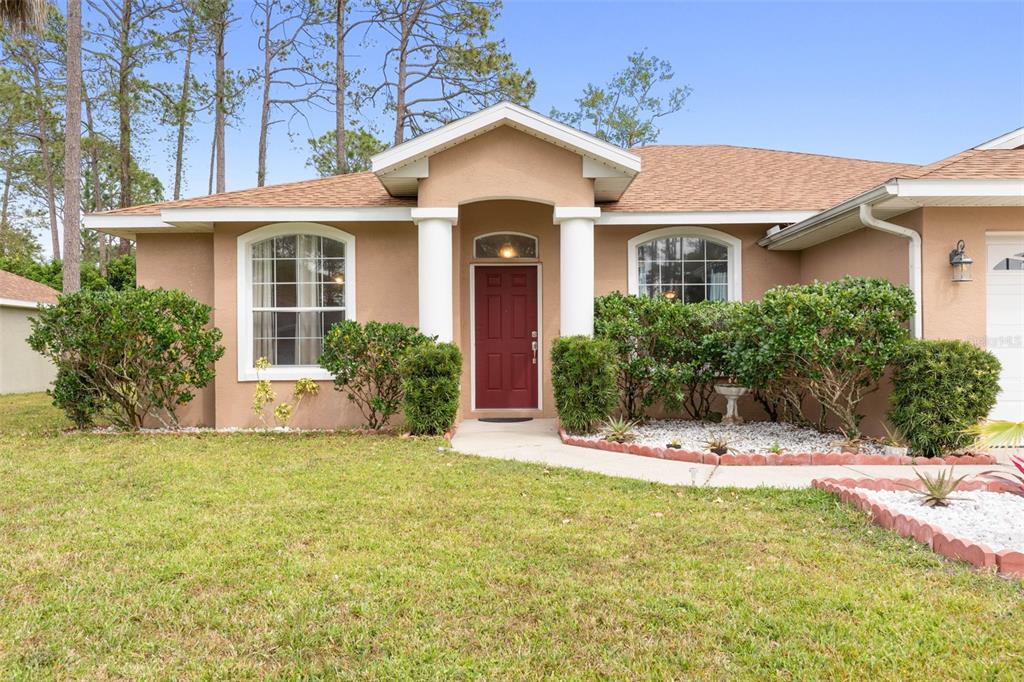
718	445
1015	481
938	488
619	430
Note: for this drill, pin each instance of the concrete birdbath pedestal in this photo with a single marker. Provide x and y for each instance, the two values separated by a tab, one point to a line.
731	393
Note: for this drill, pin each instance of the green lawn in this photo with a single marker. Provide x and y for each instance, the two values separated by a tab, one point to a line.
381	558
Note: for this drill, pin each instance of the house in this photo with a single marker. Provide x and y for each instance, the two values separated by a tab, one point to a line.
22	370
497	231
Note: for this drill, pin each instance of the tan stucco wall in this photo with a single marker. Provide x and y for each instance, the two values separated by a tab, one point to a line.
865	253
22	370
506	164
951	310
386	274
762	269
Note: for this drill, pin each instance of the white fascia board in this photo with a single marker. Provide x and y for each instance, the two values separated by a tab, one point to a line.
960	187
131	223
440	213
823	218
562	213
702	217
17	303
515	115
1010	140
177	216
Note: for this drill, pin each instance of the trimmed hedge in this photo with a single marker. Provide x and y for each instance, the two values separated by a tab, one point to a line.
430	379
941	388
630	324
127	356
583	376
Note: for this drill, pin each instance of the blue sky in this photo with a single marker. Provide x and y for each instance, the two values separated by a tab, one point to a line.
900	81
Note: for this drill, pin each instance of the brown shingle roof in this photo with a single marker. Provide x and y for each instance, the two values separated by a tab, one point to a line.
727	178
976	163
337	191
22	289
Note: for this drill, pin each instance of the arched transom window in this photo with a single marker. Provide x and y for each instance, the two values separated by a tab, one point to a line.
505	245
687	265
297	284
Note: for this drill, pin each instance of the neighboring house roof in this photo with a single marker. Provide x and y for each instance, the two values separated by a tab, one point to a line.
18	289
727	178
337	191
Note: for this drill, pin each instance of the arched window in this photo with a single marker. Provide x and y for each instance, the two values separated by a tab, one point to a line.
688	264
505	245
296	280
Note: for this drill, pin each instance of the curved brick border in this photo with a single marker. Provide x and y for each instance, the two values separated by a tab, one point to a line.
1008	562
768	459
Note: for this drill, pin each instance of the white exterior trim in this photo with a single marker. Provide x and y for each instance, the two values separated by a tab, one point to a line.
1010	140
491	117
243	301
563	213
702	217
98	221
733	244
446	213
973	187
472	337
191	219
17	303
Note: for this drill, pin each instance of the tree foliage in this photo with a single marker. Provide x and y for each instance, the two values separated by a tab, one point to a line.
360	145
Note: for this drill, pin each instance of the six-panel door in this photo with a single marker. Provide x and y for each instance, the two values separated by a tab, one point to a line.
506	336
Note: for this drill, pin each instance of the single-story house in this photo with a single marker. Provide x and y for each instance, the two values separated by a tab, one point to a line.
498	230
22	370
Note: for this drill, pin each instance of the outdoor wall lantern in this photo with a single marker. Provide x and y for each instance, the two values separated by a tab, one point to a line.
961	263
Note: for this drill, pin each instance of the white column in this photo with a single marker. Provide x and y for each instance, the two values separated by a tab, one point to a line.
576	300
435	270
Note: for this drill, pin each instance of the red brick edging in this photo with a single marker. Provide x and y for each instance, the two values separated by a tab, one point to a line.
767	459
1008	562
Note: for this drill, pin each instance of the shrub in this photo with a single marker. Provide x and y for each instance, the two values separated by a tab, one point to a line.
364	361
127	355
583	376
692	343
430	380
837	338
627	322
940	390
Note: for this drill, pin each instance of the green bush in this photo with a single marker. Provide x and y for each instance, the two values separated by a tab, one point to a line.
628	322
127	356
941	388
583	376
430	380
364	361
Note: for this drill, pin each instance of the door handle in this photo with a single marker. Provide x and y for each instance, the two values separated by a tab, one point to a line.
534	347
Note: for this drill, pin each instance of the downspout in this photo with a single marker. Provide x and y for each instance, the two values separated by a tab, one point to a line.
868	219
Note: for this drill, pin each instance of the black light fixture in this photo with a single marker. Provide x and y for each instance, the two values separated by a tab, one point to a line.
961	262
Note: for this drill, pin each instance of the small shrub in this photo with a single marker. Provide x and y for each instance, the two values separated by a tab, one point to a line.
718	445
619	430
127	356
583	376
430	379
364	360
264	395
628	322
940	390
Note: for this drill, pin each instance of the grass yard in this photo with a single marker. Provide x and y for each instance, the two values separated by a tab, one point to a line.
253	555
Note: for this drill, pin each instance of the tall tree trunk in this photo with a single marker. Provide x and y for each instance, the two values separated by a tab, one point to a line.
182	113
73	151
5	204
340	88
261	164
213	161
124	114
94	177
219	118
44	153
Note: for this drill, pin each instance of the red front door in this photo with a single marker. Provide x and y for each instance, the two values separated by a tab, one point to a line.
506	336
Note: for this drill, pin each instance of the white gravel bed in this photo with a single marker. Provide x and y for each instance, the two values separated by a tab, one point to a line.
751	437
993	519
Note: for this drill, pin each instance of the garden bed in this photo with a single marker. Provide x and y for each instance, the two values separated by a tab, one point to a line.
981	527
755	444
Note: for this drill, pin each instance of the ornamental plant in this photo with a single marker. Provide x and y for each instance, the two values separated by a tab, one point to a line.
365	362
940	390
584	371
127	356
264	396
628	322
430	380
837	338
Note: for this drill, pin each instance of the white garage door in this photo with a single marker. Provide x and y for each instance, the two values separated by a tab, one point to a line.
1005	283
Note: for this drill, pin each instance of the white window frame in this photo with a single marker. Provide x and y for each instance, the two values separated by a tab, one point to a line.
733	245
246	361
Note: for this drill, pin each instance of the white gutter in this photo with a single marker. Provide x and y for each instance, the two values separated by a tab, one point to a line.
868	219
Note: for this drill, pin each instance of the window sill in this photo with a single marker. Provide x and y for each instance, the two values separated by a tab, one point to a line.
295	373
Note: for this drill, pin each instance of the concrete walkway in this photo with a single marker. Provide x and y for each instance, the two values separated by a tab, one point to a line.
537	441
